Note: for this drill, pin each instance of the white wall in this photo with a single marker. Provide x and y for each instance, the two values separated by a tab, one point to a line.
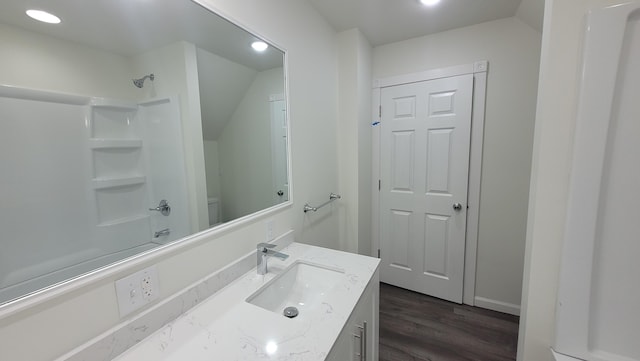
212	168
38	61
365	63
552	152
223	84
512	49
91	308
244	148
531	12
354	141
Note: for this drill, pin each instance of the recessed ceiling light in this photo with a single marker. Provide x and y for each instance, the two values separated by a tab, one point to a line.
259	46
429	2
43	16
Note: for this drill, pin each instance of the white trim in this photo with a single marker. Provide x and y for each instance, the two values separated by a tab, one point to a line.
130	264
156	254
473	190
499	306
561	357
479	69
215	9
375	172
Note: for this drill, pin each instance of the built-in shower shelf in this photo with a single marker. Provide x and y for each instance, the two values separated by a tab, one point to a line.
119	221
112	143
117	182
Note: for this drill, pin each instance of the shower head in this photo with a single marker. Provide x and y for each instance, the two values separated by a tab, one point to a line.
140	82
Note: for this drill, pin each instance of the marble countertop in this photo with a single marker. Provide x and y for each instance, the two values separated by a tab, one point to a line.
226	327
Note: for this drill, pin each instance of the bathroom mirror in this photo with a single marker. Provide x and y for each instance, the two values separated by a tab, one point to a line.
127	126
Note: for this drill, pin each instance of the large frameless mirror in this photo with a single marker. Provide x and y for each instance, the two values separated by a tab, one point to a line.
127	126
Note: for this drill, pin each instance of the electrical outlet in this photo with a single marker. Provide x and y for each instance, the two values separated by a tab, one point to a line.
146	284
137	290
270	225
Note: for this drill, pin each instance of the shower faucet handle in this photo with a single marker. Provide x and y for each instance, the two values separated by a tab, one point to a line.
164	208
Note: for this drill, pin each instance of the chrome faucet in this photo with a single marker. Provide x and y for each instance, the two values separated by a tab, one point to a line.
263	252
164	232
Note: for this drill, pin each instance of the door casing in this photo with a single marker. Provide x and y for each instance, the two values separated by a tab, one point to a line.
479	70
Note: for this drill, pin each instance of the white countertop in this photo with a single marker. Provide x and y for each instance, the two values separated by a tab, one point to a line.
224	327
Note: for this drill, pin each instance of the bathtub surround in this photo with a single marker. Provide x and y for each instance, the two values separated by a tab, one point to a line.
103	157
554	205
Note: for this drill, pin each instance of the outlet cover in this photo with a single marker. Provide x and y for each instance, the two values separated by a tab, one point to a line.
137	290
270	225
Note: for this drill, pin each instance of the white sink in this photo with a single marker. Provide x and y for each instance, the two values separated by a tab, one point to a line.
303	285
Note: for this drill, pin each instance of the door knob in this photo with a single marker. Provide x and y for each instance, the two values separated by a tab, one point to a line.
457	207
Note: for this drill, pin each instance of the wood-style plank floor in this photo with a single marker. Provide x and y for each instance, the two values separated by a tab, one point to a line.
415	327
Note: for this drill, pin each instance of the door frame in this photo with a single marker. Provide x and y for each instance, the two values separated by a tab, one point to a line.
479	70
274	138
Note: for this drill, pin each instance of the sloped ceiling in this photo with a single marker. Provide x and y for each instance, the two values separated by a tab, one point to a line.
387	21
532	13
223	85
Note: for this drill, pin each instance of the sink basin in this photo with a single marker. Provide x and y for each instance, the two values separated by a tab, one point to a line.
303	285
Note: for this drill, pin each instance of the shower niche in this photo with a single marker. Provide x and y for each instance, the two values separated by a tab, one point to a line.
119	175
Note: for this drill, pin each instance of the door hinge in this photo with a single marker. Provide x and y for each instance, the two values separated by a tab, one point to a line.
379	184
378	253
379	111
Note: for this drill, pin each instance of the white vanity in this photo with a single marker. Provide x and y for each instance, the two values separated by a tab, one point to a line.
335	293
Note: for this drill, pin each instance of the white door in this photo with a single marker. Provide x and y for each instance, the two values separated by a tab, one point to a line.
279	149
423	194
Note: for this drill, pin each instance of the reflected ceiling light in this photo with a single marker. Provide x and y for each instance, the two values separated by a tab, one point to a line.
259	46
43	16
271	347
429	2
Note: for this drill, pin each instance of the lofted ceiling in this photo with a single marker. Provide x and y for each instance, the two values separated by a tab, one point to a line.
387	21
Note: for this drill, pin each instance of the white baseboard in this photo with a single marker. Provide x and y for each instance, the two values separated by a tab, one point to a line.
561	357
499	306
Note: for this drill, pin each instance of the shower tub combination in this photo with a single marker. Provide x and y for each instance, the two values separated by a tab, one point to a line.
599	292
81	184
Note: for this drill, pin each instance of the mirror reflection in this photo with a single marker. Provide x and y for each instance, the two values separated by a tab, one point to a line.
127	126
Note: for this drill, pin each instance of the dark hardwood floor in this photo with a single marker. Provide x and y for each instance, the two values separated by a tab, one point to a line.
415	327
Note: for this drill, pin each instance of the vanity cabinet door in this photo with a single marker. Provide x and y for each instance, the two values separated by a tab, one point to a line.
359	338
342	349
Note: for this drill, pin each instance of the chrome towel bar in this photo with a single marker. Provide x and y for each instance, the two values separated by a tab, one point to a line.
332	197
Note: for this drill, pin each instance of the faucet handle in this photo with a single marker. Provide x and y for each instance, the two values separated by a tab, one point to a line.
265	245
